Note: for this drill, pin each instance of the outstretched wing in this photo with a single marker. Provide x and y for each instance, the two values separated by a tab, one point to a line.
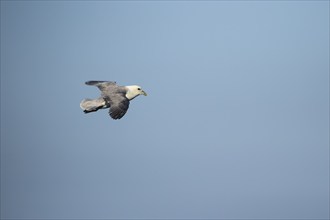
118	105
102	85
114	96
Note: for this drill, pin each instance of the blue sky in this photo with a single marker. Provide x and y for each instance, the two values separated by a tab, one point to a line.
235	124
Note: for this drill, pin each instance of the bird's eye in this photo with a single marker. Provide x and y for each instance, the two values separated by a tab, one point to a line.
139	88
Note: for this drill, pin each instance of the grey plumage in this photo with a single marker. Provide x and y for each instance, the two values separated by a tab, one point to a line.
92	105
115	97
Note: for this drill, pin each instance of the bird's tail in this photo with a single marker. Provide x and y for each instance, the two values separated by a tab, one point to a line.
92	105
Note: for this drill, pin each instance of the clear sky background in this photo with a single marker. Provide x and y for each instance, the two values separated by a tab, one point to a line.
235	124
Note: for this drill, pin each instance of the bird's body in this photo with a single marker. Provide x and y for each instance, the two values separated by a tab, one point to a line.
115	97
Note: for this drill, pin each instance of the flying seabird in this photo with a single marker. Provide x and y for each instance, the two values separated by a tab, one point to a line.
115	97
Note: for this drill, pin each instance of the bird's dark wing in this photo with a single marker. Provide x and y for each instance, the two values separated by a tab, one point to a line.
118	105
115	97
102	85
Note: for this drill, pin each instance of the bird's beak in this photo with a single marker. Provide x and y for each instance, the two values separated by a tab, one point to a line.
144	93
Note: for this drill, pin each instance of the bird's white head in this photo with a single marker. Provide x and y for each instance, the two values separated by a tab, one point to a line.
134	91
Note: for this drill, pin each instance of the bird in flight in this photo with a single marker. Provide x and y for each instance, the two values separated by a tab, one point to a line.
113	96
